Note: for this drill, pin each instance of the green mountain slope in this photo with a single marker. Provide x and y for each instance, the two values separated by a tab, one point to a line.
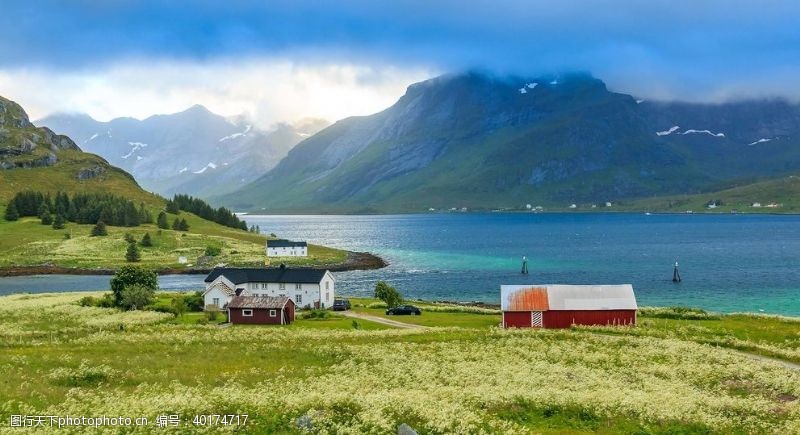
478	141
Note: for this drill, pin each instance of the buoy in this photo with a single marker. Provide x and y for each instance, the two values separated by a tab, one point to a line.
676	276
524	265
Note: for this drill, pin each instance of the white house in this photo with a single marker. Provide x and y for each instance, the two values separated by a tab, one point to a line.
305	287
286	248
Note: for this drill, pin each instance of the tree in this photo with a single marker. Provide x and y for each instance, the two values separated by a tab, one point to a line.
132	254
99	229
180	225
11	212
146	241
388	294
136	296
59	222
176	224
131	275
162	221
47	219
184	226
129	238
44	214
179	305
172	207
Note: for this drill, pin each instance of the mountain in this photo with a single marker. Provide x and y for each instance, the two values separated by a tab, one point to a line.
480	141
194	151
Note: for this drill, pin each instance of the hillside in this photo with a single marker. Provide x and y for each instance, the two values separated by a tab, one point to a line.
479	141
195	151
35	159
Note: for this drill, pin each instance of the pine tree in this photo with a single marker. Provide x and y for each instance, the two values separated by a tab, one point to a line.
99	229
146	241
11	212
183	225
44	210
172	207
162	221
176	224
132	254
47	219
58	223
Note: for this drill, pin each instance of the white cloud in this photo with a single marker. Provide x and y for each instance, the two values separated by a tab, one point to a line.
267	91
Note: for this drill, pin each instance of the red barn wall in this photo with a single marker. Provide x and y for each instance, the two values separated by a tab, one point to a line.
288	312
259	317
516	319
566	318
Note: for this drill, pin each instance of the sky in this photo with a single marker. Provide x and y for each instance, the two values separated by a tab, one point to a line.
287	60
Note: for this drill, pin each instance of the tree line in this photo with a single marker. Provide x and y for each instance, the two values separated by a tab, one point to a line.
221	215
81	208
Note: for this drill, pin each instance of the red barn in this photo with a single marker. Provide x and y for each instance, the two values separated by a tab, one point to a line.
561	306
265	310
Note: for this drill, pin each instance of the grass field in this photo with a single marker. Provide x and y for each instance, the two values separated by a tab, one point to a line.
58	358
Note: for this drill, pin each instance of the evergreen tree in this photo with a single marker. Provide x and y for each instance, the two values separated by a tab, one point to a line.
172	207
176	224
144	216
132	254
146	241
129	238
11	212
162	221
99	229
47	219
183	225
58	223
44	210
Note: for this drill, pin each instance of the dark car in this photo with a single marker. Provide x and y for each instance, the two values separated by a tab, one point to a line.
404	310
341	305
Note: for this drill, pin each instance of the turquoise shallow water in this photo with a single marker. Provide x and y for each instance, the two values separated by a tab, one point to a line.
728	262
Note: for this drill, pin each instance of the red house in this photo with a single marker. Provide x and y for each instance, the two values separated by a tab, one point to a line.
561	306
264	310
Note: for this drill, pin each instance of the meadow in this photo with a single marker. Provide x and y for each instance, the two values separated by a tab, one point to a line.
60	358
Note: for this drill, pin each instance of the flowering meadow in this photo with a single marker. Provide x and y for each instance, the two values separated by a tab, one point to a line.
437	380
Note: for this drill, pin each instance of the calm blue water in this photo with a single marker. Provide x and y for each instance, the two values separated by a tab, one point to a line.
728	262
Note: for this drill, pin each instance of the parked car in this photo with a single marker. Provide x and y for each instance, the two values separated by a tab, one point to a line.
404	310
341	305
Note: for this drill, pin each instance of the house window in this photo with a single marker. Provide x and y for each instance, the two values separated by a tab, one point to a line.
327	285
247	313
298	298
272	313
263	285
282	286
216	301
327	297
298	286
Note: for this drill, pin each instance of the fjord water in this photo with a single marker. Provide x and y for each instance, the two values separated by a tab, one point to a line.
728	262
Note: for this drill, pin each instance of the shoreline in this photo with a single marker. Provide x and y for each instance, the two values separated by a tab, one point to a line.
355	261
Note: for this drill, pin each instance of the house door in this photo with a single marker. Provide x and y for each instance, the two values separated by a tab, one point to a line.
536	319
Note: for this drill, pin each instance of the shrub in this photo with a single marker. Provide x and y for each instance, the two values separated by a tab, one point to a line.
178	305
213	251
131	275
59	222
194	301
136	296
88	301
11	212
146	241
129	238
99	229
212	314
388	294
316	314
47	218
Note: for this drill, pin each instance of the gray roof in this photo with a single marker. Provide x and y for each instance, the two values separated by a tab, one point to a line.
282	243
280	275
258	302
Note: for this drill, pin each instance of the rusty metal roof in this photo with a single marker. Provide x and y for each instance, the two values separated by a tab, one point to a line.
263	302
567	297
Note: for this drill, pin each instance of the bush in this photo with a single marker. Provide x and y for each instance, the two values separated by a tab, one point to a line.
388	294
178	305
316	314
131	275
107	301
59	222
88	301
129	238
47	218
99	229
11	212
212	314
194	301
146	241
213	251
136	296
132	254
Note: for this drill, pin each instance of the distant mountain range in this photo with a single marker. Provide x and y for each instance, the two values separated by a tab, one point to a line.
479	141
194	151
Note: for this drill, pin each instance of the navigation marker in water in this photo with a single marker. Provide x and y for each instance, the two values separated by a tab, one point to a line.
524	265
676	276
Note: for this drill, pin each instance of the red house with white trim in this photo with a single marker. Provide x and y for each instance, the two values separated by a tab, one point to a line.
261	310
561	306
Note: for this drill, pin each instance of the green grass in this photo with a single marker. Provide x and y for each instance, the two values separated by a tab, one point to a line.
58	357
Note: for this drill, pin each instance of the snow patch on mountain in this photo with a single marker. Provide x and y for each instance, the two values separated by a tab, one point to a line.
235	135
639	101
183	170
210	165
532	85
94	136
668	132
708	132
762	140
522	90
135	146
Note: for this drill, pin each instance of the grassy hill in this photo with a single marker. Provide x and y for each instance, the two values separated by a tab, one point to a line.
668	375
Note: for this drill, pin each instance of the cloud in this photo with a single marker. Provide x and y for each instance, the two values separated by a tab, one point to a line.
701	51
268	91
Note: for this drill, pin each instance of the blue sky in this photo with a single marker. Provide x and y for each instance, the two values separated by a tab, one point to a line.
692	50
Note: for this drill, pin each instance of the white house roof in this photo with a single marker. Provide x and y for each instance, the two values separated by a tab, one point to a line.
567	297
